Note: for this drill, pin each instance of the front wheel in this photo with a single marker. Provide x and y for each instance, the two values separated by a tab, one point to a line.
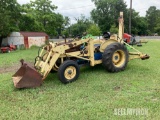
68	71
115	57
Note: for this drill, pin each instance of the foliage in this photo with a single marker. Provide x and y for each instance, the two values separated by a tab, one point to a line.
142	26
9	17
152	17
106	13
65	33
66	21
106	16
39	15
114	29
66	27
157	27
81	26
94	30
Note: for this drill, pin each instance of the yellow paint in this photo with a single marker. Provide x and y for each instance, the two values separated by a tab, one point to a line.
70	72
118	58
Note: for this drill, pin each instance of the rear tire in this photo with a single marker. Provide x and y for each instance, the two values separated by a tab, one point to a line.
115	57
68	71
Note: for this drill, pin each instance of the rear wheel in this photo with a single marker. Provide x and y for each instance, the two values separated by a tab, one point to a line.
115	57
68	71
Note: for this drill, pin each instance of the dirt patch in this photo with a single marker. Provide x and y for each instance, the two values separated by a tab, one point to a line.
13	68
9	69
117	88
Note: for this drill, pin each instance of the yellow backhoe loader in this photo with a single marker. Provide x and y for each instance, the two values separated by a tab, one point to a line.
66	58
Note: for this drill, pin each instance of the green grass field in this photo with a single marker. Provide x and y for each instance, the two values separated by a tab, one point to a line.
94	96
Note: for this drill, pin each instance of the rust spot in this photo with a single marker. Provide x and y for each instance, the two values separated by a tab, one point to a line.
70	45
73	49
145	57
85	52
48	47
45	47
27	77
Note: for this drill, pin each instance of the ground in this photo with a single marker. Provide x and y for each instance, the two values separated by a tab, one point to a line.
95	95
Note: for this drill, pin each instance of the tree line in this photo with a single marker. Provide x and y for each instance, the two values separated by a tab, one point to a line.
40	15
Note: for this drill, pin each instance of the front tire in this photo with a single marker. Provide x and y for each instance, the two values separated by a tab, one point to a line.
115	57
68	71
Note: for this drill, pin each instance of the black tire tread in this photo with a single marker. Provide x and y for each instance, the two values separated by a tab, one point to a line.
107	57
61	70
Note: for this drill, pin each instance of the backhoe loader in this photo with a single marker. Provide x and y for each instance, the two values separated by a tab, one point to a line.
67	57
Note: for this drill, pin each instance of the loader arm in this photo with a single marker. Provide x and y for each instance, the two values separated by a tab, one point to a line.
53	52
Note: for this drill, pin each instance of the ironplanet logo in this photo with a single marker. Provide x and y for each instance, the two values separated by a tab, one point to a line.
131	111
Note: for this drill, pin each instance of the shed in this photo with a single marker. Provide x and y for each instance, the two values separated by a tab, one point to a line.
26	39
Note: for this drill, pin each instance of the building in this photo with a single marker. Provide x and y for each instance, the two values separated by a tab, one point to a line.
26	39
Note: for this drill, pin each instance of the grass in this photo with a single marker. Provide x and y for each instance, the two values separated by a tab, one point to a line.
9	59
94	95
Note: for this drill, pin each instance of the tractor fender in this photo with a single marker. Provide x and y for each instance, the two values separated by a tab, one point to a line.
106	43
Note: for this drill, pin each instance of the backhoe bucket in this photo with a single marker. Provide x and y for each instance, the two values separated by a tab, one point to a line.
27	77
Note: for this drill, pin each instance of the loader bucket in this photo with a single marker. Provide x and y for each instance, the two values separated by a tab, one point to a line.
27	77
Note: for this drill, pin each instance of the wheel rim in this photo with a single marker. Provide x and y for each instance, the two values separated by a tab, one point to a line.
118	58
70	72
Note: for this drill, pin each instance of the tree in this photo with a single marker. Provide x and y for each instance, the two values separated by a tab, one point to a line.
44	10
157	27
142	26
28	21
9	17
66	21
139	24
94	30
152	16
107	12
39	15
66	27
65	33
81	26
74	29
55	25
135	19
106	16
114	29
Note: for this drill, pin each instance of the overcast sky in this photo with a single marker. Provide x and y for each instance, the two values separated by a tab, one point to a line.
74	8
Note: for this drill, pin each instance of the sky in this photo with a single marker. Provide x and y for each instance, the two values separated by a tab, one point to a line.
74	8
